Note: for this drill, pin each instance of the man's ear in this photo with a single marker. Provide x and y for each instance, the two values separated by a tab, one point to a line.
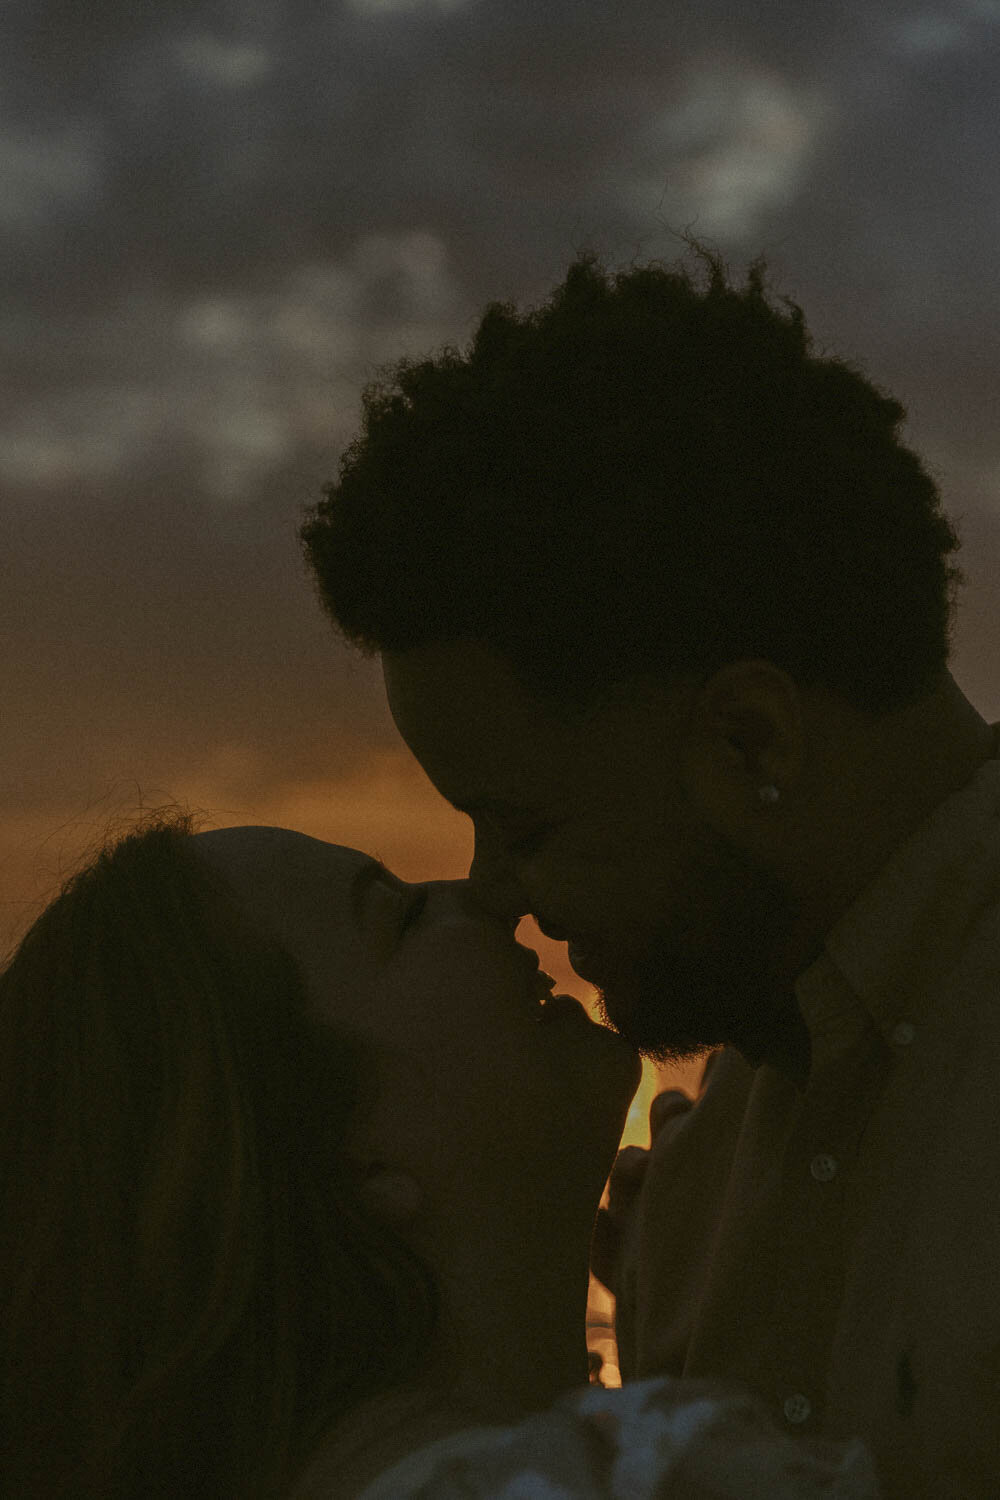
391	1194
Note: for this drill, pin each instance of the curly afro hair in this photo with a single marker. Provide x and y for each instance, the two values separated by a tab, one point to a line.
641	477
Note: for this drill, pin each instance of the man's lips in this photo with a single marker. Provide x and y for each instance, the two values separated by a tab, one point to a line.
584	953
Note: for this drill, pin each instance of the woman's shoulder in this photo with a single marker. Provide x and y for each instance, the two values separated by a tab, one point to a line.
646	1441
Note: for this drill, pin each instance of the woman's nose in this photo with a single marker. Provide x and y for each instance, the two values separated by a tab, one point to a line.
475	901
494	888
509	912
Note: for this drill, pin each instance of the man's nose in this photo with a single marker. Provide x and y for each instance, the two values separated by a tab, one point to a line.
494	888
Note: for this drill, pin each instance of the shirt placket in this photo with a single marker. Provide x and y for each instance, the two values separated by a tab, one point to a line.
774	1291
820	1159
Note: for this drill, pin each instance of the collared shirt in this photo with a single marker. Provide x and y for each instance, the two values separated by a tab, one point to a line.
837	1249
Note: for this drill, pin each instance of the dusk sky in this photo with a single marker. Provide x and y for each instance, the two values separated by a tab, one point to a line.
219	219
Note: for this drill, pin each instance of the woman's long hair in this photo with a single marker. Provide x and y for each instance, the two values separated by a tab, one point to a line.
190	1291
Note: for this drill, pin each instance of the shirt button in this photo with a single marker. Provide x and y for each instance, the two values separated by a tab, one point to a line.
798	1408
903	1034
823	1167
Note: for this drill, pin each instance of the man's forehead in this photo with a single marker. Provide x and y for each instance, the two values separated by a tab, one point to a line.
460	670
480	736
454	677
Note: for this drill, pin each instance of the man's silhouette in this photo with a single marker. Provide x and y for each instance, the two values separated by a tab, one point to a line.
664	604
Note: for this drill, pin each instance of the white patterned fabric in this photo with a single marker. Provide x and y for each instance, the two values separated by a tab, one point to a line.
651	1440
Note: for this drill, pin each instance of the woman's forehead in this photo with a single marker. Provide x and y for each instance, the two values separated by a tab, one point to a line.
259	852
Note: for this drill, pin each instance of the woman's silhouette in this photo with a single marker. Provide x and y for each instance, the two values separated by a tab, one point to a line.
298	1178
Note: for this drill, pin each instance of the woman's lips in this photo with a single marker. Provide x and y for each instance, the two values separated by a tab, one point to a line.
563	1007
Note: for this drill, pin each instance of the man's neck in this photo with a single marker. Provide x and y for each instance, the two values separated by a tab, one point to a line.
787	1047
906	766
902	769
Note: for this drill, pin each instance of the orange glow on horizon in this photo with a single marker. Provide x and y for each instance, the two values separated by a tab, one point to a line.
600	1303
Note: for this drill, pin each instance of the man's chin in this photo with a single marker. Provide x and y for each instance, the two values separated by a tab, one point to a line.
659	1037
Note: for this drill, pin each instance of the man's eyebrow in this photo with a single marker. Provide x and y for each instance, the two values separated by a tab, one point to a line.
367	876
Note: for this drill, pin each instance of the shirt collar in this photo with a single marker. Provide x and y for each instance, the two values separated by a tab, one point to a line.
906	925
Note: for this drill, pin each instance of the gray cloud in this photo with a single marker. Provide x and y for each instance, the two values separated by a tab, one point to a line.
218	220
